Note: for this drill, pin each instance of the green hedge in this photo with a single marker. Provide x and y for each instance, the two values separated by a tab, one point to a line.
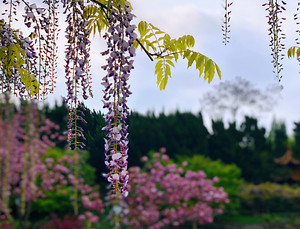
269	197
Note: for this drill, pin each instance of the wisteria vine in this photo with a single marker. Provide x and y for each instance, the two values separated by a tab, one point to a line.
120	37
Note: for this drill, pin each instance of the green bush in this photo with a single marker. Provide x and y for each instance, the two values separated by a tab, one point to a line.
269	197
58	203
229	175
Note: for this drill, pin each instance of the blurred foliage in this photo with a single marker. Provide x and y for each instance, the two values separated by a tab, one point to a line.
229	175
278	138
55	202
65	223
269	197
296	148
180	133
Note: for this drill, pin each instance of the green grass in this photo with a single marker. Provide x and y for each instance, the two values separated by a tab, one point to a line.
246	219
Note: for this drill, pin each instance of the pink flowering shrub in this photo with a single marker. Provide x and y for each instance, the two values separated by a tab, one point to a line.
60	180
162	194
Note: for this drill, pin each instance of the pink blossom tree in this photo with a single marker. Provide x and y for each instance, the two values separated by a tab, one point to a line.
162	194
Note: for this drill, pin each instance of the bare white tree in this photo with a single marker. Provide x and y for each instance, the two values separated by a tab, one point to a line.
236	95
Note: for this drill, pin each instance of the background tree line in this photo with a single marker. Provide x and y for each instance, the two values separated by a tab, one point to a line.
183	133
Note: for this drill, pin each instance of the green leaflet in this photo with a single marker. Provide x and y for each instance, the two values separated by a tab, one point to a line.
190	41
170	63
159	71
218	70
200	61
192	59
186	54
29	80
202	65
208	66
168	71
143	28
293	51
163	83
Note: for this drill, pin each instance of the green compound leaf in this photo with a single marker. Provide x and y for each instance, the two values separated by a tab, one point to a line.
166	50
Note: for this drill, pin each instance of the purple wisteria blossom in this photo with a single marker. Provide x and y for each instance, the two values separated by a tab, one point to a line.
120	37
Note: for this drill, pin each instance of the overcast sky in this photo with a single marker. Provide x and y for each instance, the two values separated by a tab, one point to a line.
247	55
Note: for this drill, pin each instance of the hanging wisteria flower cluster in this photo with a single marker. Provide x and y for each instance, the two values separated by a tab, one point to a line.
120	37
77	66
274	9
77	79
226	25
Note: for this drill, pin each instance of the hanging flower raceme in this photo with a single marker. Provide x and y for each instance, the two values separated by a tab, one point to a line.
77	79
274	9
77	66
120	37
226	25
